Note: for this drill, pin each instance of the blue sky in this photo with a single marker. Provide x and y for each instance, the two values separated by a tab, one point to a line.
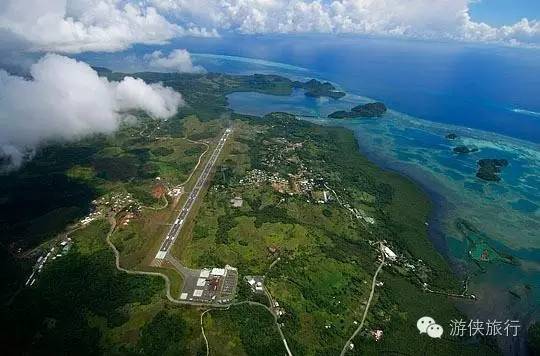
504	12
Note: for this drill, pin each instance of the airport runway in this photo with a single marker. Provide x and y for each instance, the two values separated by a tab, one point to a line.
171	236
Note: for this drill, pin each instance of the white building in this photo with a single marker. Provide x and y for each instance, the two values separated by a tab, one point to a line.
218	272
389	254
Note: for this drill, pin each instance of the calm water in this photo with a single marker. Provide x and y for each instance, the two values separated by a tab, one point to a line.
488	96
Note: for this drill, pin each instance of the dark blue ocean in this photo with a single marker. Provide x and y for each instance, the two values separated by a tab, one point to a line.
462	84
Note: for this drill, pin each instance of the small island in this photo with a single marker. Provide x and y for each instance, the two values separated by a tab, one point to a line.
465	149
480	250
489	169
376	109
316	89
451	136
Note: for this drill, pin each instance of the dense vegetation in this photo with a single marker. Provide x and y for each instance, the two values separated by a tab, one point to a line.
318	89
490	169
166	334
39	200
365	110
249	329
81	287
58	185
465	149
81	304
326	257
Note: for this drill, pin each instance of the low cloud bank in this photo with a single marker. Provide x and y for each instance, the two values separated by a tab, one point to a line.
422	19
74	26
65	100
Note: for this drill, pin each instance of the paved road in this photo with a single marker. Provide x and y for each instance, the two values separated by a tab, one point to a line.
373	284
168	293
171	236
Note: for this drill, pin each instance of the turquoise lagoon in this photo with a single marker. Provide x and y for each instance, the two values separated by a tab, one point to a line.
507	212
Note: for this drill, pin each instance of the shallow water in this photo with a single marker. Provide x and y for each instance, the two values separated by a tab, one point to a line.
506	212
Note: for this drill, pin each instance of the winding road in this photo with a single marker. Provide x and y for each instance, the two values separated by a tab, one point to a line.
168	294
289	353
171	236
373	285
171	299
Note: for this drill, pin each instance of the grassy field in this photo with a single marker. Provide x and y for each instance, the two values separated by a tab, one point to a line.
140	240
128	161
327	260
81	304
250	331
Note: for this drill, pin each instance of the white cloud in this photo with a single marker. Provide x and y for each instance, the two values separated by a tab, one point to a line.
110	25
74	26
155	99
428	19
523	32
66	100
179	60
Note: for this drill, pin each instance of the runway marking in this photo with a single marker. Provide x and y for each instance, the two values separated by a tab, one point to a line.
174	231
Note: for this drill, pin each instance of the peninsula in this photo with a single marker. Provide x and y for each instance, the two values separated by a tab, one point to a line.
316	89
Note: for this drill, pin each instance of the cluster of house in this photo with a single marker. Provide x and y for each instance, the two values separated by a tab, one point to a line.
256	283
392	257
96	214
257	177
293	184
257	286
117	202
279	150
127	218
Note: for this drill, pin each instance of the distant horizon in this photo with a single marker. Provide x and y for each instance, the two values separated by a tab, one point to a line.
443	71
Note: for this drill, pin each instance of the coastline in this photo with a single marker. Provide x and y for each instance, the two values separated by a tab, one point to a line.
442	211
438	206
437	238
413	202
438	203
523	154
